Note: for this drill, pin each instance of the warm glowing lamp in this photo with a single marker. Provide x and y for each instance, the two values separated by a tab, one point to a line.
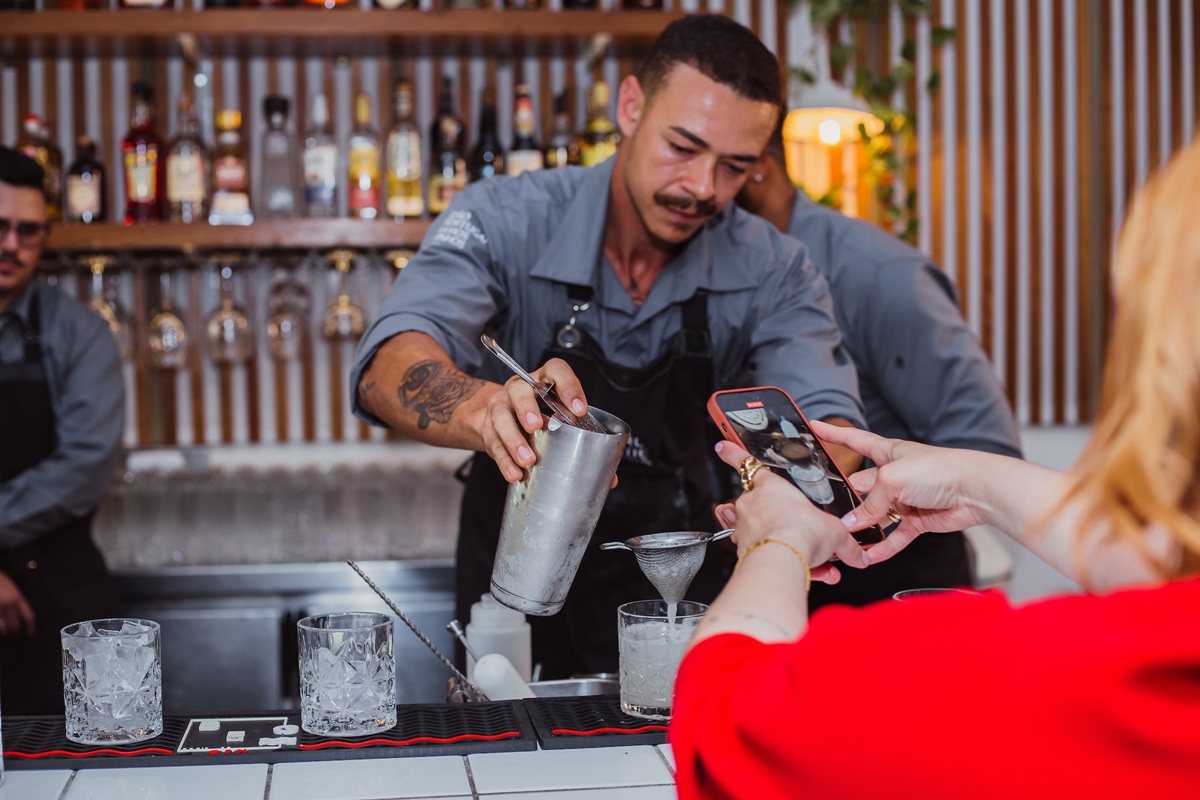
828	113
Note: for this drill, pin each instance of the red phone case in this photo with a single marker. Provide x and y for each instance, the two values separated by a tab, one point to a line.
718	416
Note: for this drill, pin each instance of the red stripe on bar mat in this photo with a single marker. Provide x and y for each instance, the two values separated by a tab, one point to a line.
69	754
594	731
419	739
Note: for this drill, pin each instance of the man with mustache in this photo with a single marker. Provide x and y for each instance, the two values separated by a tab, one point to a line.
62	403
640	289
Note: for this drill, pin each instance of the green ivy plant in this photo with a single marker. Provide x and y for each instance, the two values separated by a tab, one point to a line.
884	148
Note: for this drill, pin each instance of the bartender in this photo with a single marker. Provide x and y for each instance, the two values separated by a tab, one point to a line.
921	371
640	288
61	415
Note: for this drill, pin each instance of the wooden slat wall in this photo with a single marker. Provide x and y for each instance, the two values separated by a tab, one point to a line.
1049	116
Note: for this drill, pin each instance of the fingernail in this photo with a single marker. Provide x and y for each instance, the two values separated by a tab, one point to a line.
532	418
866	559
525	453
514	473
720	446
578	407
849	519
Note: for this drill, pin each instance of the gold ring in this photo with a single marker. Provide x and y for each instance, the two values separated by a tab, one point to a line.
746	470
893	516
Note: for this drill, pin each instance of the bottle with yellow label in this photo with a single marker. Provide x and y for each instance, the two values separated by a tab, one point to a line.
448	174
231	173
362	194
404	159
600	137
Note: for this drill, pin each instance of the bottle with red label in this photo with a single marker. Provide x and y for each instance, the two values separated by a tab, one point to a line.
230	204
362	194
143	161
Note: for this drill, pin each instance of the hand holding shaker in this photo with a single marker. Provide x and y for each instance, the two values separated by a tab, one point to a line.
549	517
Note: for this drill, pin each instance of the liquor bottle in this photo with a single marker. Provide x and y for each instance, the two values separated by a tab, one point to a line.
35	142
327	3
231	173
146	4
79	5
449	173
487	159
87	193
18	5
394	5
579	4
642	5
281	163
525	154
404	162
145	168
600	137
563	150
320	161
363	187
188	169
523	4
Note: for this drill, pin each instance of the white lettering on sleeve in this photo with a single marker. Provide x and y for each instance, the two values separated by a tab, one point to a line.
456	229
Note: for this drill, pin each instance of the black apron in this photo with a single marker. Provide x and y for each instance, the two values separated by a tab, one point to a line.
61	573
663	485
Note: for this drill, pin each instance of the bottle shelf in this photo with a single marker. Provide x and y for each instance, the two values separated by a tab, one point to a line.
306	31
292	234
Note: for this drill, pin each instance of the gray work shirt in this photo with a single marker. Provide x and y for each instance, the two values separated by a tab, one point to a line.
921	371
501	257
83	369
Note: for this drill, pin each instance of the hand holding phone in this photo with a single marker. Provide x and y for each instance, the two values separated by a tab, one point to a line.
769	426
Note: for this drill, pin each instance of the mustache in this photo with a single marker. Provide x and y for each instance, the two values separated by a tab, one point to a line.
6	256
686	203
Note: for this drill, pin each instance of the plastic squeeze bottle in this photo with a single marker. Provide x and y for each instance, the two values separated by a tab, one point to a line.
495	628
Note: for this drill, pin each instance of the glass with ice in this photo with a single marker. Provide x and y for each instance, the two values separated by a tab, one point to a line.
651	646
347	674
112	680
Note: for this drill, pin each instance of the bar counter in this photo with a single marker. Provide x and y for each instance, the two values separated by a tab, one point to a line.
641	772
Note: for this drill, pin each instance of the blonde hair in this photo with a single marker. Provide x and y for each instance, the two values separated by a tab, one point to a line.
1142	465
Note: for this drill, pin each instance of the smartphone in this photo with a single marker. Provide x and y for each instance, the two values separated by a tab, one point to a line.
766	422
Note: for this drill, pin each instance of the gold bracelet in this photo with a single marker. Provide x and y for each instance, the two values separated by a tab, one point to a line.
793	548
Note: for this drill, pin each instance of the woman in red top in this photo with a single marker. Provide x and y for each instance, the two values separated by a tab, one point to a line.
956	695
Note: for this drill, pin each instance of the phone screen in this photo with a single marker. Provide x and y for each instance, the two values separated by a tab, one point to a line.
775	433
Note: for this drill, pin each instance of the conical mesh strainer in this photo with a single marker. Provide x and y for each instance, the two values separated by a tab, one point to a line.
670	560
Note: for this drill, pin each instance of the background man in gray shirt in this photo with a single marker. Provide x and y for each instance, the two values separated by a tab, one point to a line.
61	414
921	372
636	282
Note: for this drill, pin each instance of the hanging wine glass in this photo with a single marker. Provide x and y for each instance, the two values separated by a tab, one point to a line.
288	305
104	302
230	337
399	258
343	319
168	336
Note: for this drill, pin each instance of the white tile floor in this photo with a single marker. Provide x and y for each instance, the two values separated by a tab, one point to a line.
597	773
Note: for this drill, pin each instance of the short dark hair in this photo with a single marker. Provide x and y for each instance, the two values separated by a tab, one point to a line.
719	48
18	169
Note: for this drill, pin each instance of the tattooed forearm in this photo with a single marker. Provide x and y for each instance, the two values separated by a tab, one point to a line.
364	395
433	390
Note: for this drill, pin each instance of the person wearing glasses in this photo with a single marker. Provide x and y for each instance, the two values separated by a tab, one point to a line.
62	402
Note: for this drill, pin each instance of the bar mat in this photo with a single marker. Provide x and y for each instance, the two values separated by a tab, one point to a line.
595	721
421	730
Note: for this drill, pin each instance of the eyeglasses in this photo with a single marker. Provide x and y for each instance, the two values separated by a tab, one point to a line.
29	234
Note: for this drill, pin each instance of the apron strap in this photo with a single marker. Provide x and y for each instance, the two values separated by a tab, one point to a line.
33	330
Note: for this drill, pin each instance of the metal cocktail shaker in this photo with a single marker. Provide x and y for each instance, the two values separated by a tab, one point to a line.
549	517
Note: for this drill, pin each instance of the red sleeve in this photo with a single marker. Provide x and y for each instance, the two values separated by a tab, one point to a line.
952	697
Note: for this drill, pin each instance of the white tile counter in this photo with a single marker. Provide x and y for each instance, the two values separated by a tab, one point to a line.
596	773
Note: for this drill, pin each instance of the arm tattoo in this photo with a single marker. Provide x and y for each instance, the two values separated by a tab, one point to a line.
433	391
364	390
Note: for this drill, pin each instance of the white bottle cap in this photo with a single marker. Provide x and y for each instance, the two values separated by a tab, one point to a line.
489	613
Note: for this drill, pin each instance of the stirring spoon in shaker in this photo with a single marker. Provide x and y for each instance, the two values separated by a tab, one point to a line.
544	390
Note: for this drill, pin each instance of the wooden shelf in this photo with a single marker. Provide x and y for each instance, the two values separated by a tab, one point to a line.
311	30
297	234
